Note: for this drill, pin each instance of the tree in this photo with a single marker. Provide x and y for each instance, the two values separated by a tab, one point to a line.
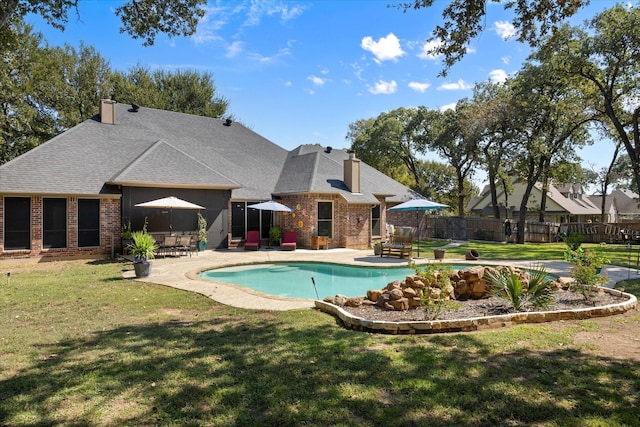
183	91
465	19
606	60
25	121
444	133
489	116
389	144
140	18
47	90
551	122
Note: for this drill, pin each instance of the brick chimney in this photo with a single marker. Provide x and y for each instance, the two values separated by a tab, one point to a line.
352	173
108	111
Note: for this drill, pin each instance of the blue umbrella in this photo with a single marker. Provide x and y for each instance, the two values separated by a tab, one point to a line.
418	205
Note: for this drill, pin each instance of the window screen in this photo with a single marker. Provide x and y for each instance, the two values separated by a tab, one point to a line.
54	223
17	223
88	223
325	219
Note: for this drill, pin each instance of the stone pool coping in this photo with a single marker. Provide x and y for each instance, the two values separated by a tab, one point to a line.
477	323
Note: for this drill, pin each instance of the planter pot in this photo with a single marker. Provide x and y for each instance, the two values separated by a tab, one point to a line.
202	246
471	255
438	253
377	249
143	269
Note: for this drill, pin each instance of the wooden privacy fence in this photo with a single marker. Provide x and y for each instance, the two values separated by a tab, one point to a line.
492	229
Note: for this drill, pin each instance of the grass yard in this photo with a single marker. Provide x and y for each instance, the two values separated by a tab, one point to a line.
79	345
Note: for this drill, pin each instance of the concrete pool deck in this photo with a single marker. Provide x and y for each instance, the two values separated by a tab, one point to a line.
181	273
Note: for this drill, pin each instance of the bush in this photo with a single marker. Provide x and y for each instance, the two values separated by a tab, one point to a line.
573	240
435	298
509	286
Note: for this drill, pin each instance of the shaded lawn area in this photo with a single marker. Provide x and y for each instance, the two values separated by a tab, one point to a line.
82	346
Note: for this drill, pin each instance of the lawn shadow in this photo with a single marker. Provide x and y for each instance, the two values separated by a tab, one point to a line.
226	371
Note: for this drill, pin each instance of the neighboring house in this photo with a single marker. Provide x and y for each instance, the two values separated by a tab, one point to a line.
565	204
628	204
73	194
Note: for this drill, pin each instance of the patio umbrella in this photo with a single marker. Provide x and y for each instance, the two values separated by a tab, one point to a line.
418	205
272	206
170	203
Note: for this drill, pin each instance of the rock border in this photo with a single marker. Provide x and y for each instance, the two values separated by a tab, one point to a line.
477	323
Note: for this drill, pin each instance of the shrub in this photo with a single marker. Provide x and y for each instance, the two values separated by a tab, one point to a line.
143	247
509	286
435	298
573	240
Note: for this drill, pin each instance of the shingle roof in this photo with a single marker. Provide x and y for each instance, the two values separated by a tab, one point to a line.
167	149
313	169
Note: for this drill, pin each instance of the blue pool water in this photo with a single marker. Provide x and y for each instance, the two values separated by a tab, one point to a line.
293	280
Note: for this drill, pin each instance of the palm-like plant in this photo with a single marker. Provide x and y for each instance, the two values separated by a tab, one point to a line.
509	285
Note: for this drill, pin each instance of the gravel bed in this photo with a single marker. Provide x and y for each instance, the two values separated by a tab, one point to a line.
492	306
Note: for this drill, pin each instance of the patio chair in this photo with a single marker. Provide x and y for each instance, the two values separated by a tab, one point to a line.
169	245
183	246
193	246
289	239
253	240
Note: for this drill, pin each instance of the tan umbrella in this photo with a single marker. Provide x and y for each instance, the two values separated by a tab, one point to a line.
170	203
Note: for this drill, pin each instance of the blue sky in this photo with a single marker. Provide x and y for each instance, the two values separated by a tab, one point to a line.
301	72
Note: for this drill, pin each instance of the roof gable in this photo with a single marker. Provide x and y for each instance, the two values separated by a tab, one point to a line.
166	166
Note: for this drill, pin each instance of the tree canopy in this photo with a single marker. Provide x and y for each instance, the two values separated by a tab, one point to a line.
45	90
464	20
143	19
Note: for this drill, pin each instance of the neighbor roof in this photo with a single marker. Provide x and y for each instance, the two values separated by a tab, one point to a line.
158	148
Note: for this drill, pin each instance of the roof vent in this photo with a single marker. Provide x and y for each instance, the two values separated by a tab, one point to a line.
228	122
135	108
328	149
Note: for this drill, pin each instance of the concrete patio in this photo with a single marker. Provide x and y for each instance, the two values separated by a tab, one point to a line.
182	273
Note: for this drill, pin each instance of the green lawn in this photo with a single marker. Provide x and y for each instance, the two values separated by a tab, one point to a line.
79	345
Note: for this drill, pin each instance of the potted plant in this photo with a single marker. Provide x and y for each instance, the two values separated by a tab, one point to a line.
377	248
143	249
202	233
275	235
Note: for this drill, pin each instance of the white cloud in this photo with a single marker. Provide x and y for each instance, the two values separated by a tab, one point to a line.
234	49
505	29
318	81
384	88
459	85
498	76
505	60
269	59
419	87
259	9
387	48
446	107
427	47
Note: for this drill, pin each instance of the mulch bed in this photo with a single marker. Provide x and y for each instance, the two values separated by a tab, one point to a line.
492	306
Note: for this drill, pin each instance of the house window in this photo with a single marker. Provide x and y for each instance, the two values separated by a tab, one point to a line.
88	223
54	223
253	218
237	220
17	223
325	219
375	220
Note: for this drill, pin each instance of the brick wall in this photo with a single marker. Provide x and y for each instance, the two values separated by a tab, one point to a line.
351	223
110	223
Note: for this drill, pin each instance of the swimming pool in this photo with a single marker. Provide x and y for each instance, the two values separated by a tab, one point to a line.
293	279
